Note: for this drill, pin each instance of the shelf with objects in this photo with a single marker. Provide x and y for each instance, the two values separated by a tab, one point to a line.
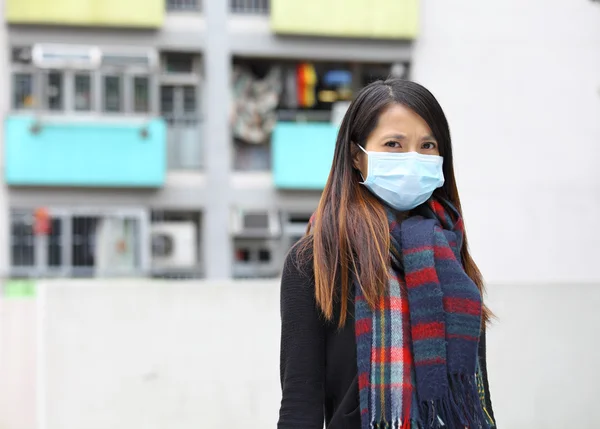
270	93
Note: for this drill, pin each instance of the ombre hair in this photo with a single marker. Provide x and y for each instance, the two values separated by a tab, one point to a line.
349	237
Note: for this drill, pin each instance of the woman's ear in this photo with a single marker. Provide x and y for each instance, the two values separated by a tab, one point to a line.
356	153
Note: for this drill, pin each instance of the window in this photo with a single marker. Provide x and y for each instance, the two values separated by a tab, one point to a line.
249	6
25	244
264	255
22	240
189	99
23	91
121	82
83	92
77	244
112	94
141	97
54	90
167	101
179	63
183	5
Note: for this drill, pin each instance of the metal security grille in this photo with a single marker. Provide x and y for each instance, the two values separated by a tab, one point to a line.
183	5
250	6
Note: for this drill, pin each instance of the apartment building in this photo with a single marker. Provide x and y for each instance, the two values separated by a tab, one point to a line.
180	138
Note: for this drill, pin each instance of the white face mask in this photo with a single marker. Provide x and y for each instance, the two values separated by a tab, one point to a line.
403	180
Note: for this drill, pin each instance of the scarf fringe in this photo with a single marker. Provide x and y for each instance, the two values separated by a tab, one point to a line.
460	408
406	424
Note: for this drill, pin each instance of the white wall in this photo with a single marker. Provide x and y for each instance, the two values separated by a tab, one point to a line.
149	354
520	81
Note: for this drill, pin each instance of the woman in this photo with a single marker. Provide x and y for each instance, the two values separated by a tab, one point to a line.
383	324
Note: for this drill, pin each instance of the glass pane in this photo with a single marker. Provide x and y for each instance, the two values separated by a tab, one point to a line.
182	5
106	245
84	241
22	241
112	94
167	100
23	91
117	245
179	63
141	89
55	244
189	99
264	255
83	92
54	90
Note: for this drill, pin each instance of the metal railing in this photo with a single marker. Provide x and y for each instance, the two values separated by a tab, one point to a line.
250	6
183	5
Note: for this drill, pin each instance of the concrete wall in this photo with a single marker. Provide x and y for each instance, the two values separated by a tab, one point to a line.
520	84
126	354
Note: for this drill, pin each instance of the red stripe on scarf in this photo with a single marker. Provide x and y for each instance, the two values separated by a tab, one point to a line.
399	304
363	380
462	337
426	331
363	326
462	305
443	253
421	277
391	355
434	361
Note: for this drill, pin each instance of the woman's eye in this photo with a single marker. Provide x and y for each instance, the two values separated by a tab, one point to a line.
393	144
429	145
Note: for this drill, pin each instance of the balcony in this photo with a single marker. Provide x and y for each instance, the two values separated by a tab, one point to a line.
302	154
95	13
84	152
374	19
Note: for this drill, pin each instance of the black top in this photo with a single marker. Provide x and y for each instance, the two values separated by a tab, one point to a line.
319	374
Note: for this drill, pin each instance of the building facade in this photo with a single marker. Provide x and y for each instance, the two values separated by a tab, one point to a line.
179	138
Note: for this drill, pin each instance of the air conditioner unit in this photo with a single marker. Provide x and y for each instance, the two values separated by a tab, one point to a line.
174	245
246	223
53	56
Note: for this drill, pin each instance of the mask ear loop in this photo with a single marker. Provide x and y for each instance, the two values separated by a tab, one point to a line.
360	172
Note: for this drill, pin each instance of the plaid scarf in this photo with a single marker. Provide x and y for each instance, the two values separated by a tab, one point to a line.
417	351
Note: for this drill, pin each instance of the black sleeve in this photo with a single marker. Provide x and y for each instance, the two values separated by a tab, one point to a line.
483	366
302	365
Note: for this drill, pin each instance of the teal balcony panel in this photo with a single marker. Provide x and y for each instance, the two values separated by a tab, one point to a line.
84	153
302	154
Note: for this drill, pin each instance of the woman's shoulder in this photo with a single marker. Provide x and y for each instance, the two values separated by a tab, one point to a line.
299	261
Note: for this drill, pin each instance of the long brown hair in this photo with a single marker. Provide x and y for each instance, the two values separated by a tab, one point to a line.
350	235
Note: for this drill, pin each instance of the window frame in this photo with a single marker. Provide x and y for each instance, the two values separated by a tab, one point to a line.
42	268
97	91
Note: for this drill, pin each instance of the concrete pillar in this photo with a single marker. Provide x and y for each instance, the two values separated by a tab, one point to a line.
217	244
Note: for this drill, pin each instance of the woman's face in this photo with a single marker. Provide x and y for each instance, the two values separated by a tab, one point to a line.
399	129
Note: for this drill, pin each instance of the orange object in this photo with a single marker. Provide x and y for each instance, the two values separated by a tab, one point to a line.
307	81
42	223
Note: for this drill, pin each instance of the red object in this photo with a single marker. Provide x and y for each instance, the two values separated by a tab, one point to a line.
42	224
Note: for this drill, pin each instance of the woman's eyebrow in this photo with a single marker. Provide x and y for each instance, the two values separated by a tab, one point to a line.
395	136
428	137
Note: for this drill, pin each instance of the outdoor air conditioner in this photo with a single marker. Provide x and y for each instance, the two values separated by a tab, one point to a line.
55	56
174	245
255	223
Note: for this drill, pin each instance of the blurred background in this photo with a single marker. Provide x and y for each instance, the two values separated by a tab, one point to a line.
161	156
